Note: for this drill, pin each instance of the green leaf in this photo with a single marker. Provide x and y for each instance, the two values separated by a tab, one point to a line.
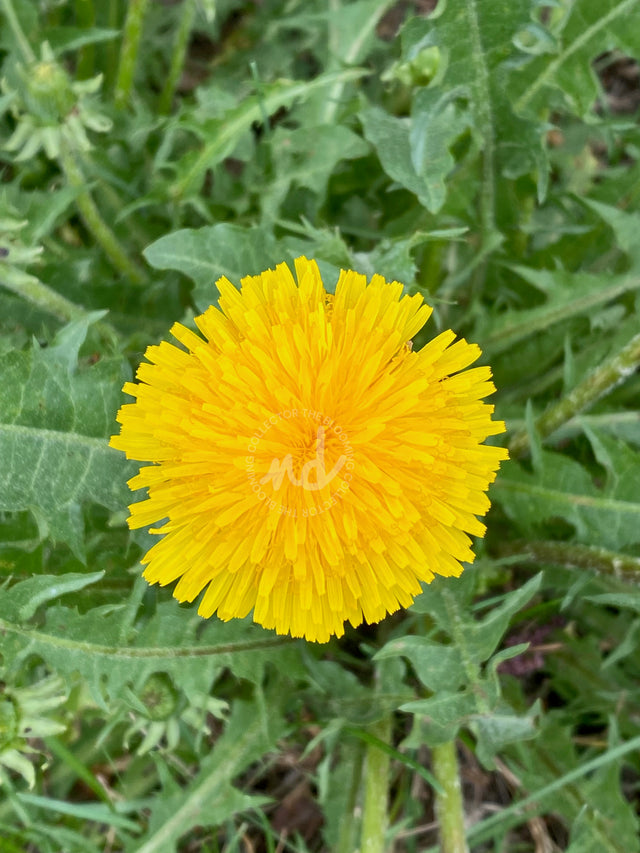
561	488
306	157
437	120
352	29
96	812
206	254
482	637
351	37
624	225
544	771
446	601
22	600
210	799
624	600
393	259
103	647
609	823
341	694
444	668
495	731
391	138
54	424
476	45
569	295
417	153
581	31
438	667
444	709
223	134
434	600
65	39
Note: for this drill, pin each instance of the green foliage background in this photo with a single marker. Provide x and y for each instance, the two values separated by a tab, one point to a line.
486	154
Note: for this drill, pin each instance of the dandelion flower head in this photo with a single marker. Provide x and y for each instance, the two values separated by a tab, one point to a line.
306	463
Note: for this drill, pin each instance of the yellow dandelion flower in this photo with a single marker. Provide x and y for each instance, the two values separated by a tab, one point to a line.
308	464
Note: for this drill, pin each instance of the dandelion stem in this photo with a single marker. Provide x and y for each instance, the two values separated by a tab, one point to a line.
577	557
598	383
449	808
42	296
376	769
129	51
93	220
177	59
18	33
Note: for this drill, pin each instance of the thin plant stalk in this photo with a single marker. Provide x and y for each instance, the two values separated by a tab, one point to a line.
575	556
598	383
449	808
86	18
104	236
18	33
129	51
177	59
31	289
376	791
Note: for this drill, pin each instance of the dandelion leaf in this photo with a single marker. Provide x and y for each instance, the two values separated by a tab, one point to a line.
112	652
210	799
55	417
206	254
561	488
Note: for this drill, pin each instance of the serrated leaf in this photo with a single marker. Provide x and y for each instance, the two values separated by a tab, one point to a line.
353	28
565	78
476	42
620	461
393	259
21	601
484	635
223	134
494	731
564	783
609	823
206	254
446	601
625	226
433	601
210	799
569	295
390	138
342	694
351	36
306	157
54	424
416	153
437	120
443	709
438	667
102	647
561	488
